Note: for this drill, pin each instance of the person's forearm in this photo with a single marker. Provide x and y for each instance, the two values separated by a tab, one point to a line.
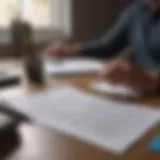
115	39
102	48
94	49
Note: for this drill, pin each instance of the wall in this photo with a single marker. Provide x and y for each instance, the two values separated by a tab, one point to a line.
91	18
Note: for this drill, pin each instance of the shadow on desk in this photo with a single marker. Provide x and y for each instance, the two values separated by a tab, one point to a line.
10	141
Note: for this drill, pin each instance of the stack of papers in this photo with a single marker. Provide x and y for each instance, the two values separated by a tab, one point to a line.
109	124
114	89
73	66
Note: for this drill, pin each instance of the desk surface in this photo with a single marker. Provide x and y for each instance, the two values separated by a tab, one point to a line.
39	144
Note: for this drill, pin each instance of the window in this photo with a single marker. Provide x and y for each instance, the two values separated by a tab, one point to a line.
46	16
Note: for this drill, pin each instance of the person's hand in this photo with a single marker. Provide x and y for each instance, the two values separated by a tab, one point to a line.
130	74
116	71
60	50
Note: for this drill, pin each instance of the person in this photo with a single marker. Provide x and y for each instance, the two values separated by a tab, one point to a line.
139	27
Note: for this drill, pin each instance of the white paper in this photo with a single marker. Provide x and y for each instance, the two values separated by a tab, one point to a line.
108	124
115	89
7	74
73	66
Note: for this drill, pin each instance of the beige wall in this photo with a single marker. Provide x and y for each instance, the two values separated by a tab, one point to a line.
91	18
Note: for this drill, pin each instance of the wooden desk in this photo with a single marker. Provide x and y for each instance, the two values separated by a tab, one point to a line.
39	144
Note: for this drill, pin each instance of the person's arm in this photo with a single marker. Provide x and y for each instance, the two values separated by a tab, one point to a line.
113	41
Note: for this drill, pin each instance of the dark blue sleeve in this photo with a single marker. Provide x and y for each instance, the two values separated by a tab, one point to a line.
113	41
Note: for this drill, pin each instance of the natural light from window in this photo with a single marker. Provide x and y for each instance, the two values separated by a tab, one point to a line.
37	12
47	17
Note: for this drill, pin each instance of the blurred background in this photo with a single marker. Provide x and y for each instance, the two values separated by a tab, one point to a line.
50	20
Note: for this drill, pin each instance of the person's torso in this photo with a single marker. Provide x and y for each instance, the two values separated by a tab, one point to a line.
144	36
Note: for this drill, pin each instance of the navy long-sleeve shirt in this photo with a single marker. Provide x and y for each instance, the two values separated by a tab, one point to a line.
139	27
